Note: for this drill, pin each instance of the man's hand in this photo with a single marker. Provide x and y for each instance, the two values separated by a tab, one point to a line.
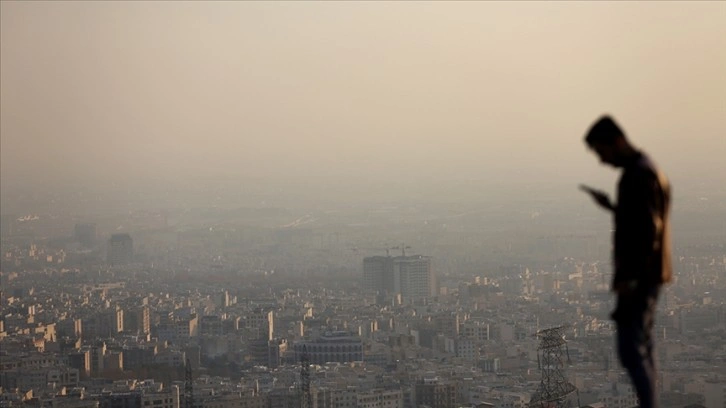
600	198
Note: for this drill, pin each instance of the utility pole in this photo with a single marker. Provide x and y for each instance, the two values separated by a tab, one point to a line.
554	390
306	399
188	386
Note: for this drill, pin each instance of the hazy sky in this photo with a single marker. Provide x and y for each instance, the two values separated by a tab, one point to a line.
98	90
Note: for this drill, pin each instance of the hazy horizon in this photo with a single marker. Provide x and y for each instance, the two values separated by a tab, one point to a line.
338	92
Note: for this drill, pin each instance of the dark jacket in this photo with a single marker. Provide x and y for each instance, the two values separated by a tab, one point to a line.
642	226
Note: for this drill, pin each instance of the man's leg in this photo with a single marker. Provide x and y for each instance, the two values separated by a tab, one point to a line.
652	357
636	351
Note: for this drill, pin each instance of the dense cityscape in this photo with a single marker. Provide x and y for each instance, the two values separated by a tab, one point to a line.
362	204
224	308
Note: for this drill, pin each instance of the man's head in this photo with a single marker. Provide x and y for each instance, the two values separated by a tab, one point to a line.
607	140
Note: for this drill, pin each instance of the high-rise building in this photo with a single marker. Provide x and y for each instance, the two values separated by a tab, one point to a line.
137	319
103	324
97	352
262	321
221	299
414	276
410	276
378	273
120	249
85	233
80	360
276	350
211	326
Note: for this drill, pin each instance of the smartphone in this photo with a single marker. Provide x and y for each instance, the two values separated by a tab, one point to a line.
588	189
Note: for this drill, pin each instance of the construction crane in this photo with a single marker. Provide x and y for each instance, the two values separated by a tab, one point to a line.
402	247
387	249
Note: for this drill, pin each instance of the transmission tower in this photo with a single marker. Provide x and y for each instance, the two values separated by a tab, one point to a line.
306	399
188	386
554	390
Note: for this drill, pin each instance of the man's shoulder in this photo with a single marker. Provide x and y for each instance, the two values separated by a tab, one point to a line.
648	170
643	175
643	168
645	163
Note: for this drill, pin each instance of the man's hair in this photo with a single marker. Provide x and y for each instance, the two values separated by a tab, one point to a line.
604	131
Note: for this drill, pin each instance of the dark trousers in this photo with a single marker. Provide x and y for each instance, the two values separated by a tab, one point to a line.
634	317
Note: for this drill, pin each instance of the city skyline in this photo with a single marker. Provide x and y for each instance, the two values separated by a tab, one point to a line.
360	204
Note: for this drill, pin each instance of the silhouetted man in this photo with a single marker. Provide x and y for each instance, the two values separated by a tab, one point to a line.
641	250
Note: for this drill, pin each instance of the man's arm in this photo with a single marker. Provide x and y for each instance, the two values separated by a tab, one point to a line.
599	197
